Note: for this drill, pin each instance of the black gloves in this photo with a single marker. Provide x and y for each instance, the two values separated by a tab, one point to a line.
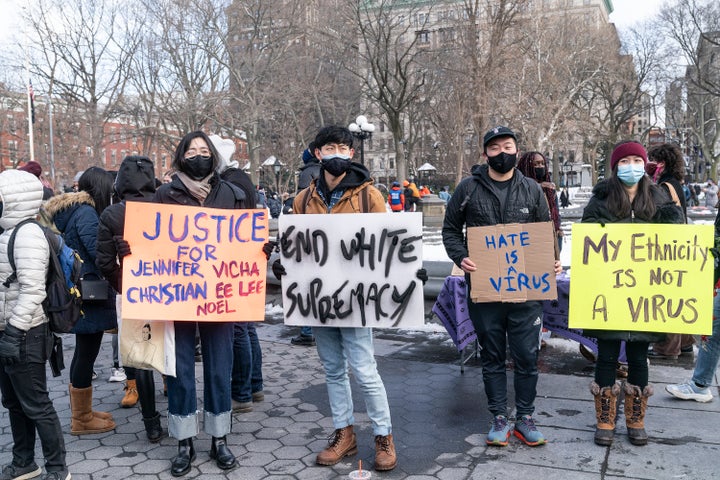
422	275
268	249
121	246
277	269
10	342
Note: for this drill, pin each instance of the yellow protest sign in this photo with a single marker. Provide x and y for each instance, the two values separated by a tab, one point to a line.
515	262
642	277
194	263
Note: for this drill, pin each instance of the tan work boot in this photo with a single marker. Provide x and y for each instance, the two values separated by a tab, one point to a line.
83	420
131	395
635	408
343	443
385	456
605	412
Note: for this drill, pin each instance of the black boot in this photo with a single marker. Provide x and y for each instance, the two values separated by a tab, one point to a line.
222	454
182	463
153	429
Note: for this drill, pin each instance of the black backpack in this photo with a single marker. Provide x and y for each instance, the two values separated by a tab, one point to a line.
63	303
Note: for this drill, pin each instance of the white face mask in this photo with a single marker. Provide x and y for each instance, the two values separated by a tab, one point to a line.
631	174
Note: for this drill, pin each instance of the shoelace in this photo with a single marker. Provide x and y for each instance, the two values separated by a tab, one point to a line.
499	423
605	410
383	443
529	422
336	438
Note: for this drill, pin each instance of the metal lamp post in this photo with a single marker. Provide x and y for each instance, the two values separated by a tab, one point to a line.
277	167
362	129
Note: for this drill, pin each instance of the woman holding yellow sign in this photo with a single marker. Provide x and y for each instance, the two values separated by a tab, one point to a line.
628	196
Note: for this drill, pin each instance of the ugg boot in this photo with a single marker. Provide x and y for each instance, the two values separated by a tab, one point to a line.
131	395
635	408
102	415
83	421
385	456
343	443
605	412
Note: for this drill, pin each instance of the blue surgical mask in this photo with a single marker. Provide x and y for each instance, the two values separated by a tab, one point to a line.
631	174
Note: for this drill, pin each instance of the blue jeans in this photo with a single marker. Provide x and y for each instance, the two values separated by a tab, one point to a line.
307	331
247	362
518	326
217	353
338	347
709	350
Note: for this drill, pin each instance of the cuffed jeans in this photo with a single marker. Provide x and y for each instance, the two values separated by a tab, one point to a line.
247	362
25	396
338	347
217	353
709	350
518	325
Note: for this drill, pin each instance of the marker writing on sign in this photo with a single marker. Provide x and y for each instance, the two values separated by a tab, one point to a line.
225	227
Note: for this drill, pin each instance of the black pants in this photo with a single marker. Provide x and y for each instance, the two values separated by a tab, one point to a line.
25	396
606	365
87	347
517	325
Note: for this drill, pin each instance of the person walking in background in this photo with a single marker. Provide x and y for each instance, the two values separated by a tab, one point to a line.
534	165
338	190
627	196
565	198
711	194
396	198
197	183
135	181
25	334
76	215
444	194
497	193
669	174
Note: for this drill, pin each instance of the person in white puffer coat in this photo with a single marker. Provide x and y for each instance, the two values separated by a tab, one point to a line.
25	339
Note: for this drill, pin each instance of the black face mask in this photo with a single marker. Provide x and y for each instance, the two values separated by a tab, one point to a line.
503	162
540	174
198	167
336	165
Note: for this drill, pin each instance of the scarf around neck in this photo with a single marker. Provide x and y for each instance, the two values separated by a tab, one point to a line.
197	188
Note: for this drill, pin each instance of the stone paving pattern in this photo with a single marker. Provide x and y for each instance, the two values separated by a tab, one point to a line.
440	420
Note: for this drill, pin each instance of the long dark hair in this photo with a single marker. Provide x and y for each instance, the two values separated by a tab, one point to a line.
98	183
618	200
527	168
179	156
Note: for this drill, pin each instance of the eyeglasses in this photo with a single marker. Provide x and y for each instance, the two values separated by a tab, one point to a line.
205	152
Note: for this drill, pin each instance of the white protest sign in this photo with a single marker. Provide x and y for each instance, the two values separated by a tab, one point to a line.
352	270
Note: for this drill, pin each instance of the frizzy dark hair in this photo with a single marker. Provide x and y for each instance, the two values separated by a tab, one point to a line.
671	155
179	156
526	167
98	183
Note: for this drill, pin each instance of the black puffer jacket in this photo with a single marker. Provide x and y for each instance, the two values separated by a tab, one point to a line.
135	182
222	194
475	203
597	211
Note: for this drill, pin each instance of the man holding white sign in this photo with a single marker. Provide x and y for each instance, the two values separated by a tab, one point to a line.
346	187
497	193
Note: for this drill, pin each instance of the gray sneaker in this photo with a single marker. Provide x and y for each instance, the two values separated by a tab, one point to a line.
690	391
60	475
13	472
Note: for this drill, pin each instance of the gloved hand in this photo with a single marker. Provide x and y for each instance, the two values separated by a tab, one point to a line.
268	249
10	342
121	246
277	269
422	275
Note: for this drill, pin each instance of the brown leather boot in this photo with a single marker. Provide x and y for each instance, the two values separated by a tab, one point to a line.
635	408
342	444
131	394
385	456
605	412
83	421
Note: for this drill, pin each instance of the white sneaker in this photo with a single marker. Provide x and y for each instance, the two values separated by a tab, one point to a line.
690	391
117	375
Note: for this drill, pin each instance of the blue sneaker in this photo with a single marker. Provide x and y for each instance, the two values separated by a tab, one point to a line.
499	434
526	431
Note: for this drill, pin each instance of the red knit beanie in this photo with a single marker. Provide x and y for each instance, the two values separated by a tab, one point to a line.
32	167
625	149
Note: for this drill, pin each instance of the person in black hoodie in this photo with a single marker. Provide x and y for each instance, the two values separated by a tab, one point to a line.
135	182
197	183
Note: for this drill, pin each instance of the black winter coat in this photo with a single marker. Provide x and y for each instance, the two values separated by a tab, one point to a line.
222	194
597	211
475	203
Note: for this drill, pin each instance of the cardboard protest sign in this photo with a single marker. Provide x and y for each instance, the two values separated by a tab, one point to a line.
515	262
194	263
642	277
352	270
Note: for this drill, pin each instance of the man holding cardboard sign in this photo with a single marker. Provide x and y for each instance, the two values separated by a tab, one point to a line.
495	196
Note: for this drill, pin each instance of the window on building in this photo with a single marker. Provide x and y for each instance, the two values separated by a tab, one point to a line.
423	37
113	157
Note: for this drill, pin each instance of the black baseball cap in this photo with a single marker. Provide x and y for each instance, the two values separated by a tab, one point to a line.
498	132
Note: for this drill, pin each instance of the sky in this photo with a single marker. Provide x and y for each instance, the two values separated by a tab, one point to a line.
627	12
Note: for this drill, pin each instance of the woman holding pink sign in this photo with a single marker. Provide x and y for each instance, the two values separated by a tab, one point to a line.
627	196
